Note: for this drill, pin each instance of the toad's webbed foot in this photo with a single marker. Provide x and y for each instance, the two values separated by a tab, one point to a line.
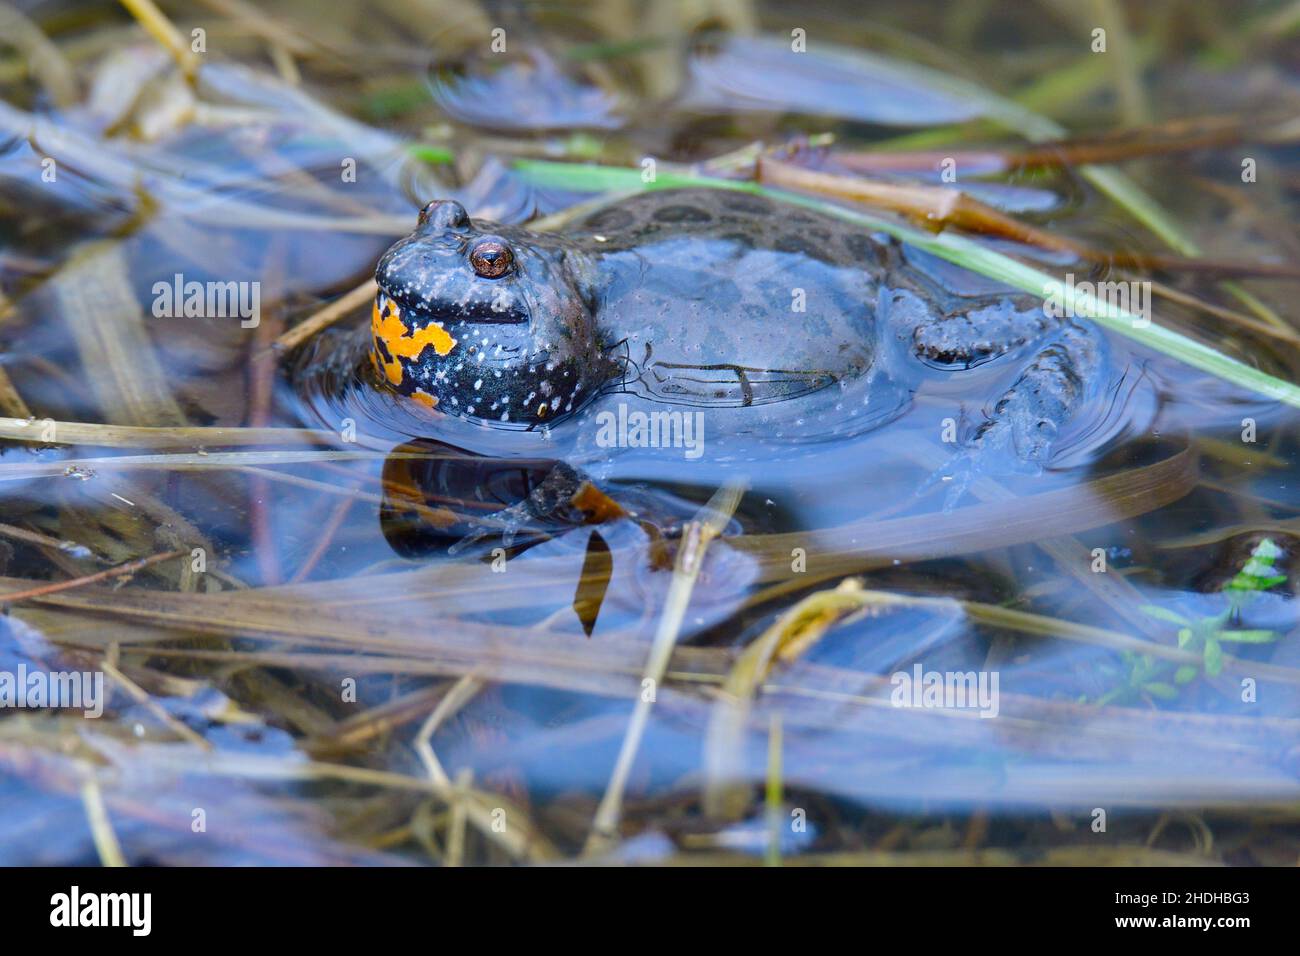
1019	433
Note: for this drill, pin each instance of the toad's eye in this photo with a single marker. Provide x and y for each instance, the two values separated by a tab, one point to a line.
491	258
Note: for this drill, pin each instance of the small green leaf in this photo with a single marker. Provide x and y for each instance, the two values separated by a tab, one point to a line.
1213	658
1186	674
1247	637
1259	574
1163	614
1184	637
1255	582
1161	690
436	155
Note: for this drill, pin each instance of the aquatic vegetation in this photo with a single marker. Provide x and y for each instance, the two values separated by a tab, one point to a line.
1207	635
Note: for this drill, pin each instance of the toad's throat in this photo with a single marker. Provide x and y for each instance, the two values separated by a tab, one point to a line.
394	340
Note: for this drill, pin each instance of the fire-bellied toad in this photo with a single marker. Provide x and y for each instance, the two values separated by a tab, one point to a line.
776	320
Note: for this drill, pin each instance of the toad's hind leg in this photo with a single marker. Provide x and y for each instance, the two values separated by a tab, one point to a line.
1020	430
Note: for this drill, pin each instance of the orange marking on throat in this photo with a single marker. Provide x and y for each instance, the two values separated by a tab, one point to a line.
401	342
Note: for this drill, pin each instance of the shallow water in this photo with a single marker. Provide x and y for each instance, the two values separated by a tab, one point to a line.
314	617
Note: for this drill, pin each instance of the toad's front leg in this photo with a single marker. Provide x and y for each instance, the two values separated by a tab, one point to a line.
1020	430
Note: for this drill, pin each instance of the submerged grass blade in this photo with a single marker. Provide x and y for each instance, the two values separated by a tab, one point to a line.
123	369
694	543
41	56
774	792
164	31
726	795
101	828
196	462
50	432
